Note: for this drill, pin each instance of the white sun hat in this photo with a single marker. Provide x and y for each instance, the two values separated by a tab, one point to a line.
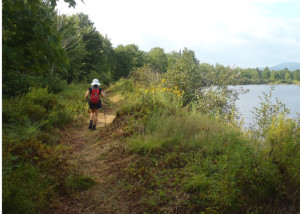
95	82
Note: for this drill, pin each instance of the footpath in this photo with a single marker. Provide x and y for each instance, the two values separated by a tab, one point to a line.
100	154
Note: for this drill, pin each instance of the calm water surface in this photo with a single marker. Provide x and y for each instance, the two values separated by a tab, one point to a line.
287	94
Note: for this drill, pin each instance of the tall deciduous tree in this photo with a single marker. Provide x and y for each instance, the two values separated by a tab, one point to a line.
266	73
158	59
31	44
127	58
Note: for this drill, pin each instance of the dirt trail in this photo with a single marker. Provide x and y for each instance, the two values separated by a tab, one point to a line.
99	154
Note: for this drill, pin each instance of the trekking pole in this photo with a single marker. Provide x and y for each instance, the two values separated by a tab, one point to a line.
104	116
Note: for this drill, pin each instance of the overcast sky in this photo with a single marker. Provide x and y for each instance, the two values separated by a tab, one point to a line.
244	33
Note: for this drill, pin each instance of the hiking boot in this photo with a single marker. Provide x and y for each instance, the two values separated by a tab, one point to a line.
94	127
91	124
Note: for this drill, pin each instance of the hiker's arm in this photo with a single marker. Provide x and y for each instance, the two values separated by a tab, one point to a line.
102	94
87	94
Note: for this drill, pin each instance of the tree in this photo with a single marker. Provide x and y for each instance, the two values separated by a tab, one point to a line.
257	74
100	55
274	76
72	43
127	58
183	73
158	59
287	77
266	73
297	75
31	44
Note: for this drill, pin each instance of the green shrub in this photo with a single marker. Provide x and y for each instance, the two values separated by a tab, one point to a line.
123	86
35	105
59	118
41	97
34	112
264	114
47	138
145	76
11	112
26	130
25	190
79	182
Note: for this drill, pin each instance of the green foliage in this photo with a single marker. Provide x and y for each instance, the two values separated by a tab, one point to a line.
34	163
264	114
79	182
127	58
123	86
266	73
283	148
218	101
158	59
87	49
145	75
182	72
30	42
25	190
35	106
59	117
256	76
42	49
196	80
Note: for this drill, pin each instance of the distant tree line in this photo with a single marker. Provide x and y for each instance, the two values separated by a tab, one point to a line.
257	76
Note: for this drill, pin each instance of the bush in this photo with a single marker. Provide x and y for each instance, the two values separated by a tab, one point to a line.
79	182
59	117
145	76
41	97
25	190
52	82
35	106
123	86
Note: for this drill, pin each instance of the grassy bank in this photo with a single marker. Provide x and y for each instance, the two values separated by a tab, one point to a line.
192	163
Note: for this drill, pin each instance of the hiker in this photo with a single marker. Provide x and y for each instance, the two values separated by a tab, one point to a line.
94	102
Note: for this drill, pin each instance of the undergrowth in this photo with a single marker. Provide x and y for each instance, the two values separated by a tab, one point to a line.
35	169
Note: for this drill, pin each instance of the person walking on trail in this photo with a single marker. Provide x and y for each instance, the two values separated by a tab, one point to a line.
95	104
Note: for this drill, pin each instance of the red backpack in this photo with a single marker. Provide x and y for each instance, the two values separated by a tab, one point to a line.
95	95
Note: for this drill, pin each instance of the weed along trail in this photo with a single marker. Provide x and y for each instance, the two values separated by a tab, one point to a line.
97	155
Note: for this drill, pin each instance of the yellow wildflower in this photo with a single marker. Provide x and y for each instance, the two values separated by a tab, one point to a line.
163	80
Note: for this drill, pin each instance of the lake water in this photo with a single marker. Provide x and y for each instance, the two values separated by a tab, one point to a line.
287	94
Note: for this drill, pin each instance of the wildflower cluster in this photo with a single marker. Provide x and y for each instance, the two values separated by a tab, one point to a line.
160	89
